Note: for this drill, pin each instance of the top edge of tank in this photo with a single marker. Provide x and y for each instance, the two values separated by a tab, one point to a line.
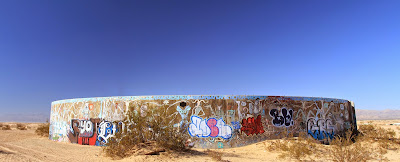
200	97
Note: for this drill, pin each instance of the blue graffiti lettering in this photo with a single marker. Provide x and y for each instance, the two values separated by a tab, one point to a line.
320	135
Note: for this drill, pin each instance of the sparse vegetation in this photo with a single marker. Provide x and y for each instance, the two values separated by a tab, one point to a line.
345	148
43	129
299	148
21	126
1	125
6	127
349	148
216	156
150	131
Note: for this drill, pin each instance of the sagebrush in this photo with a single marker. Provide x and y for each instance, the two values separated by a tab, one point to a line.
371	144
146	130
43	129
21	126
6	127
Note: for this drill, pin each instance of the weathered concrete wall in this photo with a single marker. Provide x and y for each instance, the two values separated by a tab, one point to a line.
213	121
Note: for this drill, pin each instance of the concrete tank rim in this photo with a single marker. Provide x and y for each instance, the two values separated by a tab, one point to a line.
179	97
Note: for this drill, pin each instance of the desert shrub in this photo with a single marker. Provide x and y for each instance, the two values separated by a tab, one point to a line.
299	148
6	127
43	129
216	156
21	126
374	132
348	148
345	147
1	125
152	131
386	138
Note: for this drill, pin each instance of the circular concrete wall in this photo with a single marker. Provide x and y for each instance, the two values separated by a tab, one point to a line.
212	121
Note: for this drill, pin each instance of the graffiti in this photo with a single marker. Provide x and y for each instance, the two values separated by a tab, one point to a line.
197	109
238	109
83	131
285	118
106	130
209	128
320	128
219	112
236	125
220	145
91	107
211	121
86	128
183	112
257	106
143	110
199	127
251	126
85	111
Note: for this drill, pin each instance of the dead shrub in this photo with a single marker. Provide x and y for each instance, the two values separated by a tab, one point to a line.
6	127
43	129
216	156
372	144
21	126
374	132
147	131
299	148
344	149
384	137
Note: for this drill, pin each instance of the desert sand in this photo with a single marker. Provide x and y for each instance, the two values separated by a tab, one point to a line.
25	145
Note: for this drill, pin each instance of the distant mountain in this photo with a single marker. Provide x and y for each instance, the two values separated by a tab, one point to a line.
377	114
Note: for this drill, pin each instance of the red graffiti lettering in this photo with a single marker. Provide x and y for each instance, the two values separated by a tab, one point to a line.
87	140
250	126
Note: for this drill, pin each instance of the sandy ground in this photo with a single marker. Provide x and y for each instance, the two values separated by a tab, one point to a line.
25	145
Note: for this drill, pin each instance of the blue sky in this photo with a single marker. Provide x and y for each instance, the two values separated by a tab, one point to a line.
52	50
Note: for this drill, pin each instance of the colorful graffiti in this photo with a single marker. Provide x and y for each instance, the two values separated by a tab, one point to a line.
251	126
209	128
320	128
91	132
106	130
84	131
210	121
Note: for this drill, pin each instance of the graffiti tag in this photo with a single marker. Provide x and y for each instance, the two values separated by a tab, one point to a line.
106	130
251	126
209	128
284	118
320	128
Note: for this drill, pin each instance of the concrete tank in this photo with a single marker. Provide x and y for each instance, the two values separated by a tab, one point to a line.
212	121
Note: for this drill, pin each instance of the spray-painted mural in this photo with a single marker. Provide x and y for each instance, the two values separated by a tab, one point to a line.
211	121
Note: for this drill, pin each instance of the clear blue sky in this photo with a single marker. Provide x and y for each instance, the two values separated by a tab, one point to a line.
52	50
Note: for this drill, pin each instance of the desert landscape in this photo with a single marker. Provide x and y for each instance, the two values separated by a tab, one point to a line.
25	145
199	81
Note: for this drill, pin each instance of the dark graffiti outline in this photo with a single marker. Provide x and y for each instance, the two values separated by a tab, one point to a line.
282	118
